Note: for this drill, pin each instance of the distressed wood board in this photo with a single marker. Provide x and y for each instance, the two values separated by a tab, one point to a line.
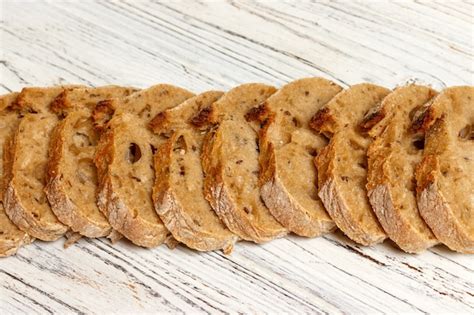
217	45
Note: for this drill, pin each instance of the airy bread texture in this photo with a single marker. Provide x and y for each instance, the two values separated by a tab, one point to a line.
287	149
342	164
124	160
230	162
11	237
179	180
72	177
392	158
25	158
445	181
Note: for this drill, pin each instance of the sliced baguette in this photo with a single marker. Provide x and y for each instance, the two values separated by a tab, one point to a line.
71	176
392	158
179	193
287	148
124	161
445	181
230	163
11	237
342	164
25	158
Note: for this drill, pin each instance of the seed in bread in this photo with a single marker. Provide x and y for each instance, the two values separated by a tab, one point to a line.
342	164
287	150
11	237
179	193
124	160
230	163
71	175
392	158
445	181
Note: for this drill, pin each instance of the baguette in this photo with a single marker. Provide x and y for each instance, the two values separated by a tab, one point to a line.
178	193
445	181
342	164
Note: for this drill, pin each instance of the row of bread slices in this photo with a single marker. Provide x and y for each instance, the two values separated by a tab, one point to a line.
254	163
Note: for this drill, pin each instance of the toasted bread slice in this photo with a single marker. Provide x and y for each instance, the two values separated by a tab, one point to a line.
71	176
287	149
11	237
230	162
25	158
392	158
124	160
179	193
342	164
445	181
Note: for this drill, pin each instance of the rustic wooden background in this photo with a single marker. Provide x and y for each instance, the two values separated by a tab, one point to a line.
204	45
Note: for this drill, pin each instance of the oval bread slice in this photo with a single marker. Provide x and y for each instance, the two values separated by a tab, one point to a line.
445	181
230	162
25	161
11	237
392	158
179	192
124	160
72	176
342	164
287	149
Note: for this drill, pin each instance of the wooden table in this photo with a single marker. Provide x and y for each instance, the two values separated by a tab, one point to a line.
218	45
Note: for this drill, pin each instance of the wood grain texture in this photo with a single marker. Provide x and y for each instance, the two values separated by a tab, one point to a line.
217	45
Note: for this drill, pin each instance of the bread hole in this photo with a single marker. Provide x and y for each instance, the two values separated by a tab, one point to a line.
197	222
363	164
81	140
345	178
182	170
419	143
136	179
36	215
86	171
134	153
467	133
1	232
145	112
313	152
247	210
238	162
296	122
153	149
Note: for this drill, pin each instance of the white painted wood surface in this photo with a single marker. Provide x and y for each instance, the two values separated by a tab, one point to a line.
204	45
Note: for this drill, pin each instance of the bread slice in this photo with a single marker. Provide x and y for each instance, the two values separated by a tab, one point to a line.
392	158
179	193
71	176
11	237
287	149
342	164
230	162
124	161
445	181
25	158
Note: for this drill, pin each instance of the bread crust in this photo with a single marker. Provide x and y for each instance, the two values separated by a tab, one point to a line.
444	186
287	148
342	163
392	158
11	237
129	124
227	155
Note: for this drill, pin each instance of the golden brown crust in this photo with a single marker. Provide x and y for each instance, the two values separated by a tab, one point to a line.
444	190
287	147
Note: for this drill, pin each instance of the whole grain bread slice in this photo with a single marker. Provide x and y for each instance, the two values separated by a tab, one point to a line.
342	164
25	159
392	158
445	181
287	148
71	174
124	161
230	163
11	237
179	180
